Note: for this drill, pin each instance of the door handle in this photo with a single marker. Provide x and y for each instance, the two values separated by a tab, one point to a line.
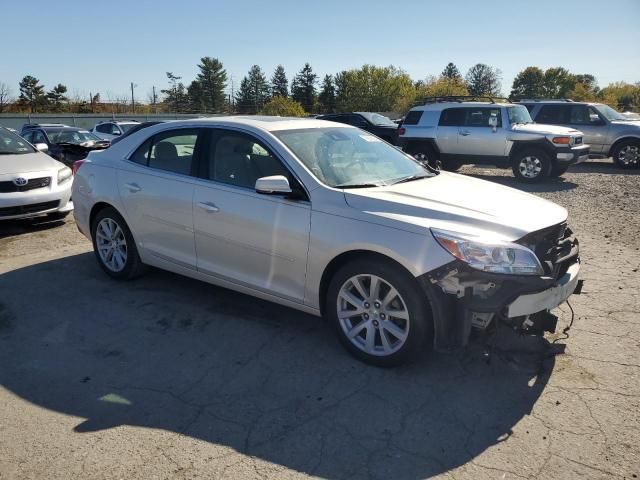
208	206
464	133
133	187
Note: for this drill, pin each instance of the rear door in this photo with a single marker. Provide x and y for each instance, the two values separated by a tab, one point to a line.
157	188
477	139
255	240
451	119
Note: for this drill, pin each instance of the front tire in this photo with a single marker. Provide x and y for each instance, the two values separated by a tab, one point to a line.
627	154
531	165
557	171
379	313
114	246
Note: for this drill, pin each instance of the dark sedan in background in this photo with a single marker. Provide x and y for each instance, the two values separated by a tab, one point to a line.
374	123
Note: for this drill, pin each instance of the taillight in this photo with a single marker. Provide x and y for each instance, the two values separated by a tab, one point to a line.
76	165
401	131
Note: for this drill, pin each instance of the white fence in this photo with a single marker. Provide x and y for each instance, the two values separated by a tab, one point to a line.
83	120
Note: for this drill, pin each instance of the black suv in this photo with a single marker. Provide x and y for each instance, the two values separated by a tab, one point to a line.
374	123
66	144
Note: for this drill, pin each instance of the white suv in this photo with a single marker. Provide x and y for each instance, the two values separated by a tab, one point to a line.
111	130
450	132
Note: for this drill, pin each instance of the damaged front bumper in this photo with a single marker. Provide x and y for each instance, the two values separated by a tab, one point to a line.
463	298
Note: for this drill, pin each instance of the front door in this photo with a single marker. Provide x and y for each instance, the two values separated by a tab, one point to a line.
477	140
255	240
157	189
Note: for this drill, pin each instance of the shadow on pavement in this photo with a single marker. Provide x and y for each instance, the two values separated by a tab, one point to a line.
18	227
166	352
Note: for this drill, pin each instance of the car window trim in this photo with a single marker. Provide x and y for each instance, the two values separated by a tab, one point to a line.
214	135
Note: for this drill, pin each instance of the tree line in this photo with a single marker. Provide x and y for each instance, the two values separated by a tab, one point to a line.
368	88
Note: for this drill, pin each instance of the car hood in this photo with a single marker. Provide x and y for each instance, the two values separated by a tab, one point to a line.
545	129
460	204
28	162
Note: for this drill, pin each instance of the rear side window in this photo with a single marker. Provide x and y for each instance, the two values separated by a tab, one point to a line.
452	117
170	151
413	117
554	114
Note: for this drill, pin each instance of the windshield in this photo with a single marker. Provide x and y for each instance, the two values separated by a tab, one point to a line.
71	136
348	157
610	114
378	119
127	126
519	114
12	144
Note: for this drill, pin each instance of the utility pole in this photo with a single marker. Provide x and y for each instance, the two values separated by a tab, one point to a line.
233	98
155	110
133	103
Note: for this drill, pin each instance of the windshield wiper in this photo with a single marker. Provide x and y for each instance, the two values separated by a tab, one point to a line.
411	178
359	185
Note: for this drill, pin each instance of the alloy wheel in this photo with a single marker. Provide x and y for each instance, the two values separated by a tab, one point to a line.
629	155
373	315
530	167
111	244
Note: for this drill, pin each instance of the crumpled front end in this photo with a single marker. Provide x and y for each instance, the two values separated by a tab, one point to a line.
463	298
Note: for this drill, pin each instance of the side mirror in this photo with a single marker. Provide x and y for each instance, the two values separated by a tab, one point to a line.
493	122
116	133
274	185
42	147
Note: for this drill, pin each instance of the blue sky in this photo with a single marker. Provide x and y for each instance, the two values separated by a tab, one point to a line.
102	46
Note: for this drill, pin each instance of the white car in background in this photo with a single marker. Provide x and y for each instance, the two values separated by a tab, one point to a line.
111	130
31	182
331	220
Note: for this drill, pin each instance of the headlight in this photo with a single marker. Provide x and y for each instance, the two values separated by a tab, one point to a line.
489	255
64	174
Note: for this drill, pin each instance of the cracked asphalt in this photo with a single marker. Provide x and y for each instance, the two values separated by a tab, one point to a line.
166	377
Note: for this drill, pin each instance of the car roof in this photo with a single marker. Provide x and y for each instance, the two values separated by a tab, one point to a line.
442	105
268	123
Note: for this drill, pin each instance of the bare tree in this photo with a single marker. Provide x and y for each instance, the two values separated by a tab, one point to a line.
6	96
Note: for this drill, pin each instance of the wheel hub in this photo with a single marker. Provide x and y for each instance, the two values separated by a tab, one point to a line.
373	315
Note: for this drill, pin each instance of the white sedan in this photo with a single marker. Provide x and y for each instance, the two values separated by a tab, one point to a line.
331	220
31	182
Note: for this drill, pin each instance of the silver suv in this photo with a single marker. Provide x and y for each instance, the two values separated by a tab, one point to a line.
610	133
450	132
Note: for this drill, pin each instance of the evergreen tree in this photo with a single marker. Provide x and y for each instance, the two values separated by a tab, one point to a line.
483	80
32	93
254	91
529	83
451	72
279	82
303	87
56	96
176	97
327	97
211	82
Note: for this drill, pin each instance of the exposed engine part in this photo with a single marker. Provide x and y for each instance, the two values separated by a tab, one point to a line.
453	285
481	320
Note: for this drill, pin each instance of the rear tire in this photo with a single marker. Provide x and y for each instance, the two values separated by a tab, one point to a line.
531	165
391	324
451	165
627	154
426	155
114	245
